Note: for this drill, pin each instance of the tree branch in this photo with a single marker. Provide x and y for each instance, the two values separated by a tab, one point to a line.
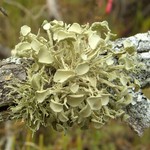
13	70
139	110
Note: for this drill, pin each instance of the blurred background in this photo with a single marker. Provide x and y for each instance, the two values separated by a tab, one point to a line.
125	18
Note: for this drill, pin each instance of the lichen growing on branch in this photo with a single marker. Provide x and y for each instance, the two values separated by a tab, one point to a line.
76	78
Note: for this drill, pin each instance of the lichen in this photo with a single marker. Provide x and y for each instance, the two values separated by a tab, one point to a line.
76	78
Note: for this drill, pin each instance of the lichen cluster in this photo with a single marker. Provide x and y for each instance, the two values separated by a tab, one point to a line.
76	77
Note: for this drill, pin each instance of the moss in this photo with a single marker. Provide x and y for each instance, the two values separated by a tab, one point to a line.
76	76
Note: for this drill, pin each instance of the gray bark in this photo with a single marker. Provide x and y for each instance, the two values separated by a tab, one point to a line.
139	110
12	70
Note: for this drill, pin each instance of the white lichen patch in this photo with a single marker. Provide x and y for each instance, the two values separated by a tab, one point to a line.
76	77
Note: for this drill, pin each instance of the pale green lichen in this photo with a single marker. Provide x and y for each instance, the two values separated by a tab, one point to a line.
75	78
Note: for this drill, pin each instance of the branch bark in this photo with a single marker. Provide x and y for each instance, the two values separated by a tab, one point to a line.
13	70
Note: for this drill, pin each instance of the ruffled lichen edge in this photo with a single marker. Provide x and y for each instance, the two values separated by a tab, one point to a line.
76	77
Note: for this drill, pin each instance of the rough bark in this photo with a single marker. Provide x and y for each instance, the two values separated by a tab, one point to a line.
13	70
10	69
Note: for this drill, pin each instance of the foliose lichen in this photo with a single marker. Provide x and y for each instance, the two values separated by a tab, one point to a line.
76	78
